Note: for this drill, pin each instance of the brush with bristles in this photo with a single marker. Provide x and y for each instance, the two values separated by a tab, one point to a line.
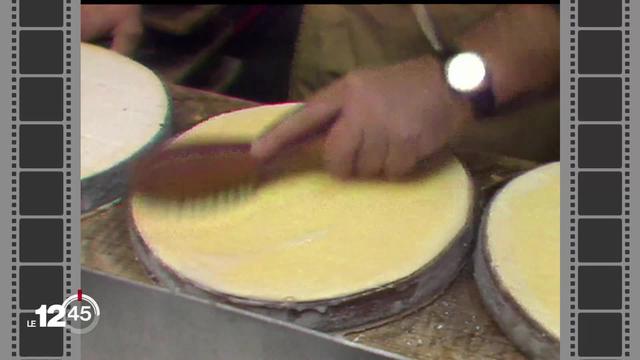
221	171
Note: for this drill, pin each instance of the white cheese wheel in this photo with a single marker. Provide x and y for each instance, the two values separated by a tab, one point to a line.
307	237
124	109
520	251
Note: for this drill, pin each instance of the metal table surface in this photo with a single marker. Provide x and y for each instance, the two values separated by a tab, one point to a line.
454	326
140	321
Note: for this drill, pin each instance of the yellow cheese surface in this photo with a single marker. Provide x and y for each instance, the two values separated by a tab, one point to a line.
308	236
523	232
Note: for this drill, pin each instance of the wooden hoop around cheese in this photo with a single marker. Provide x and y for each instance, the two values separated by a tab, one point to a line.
523	330
356	311
104	188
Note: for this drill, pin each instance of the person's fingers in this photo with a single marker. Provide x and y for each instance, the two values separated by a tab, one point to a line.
320	111
91	26
127	36
401	156
341	148
372	153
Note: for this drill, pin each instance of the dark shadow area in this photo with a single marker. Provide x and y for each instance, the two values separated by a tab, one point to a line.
243	51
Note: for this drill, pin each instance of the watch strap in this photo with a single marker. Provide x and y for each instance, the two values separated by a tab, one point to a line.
483	102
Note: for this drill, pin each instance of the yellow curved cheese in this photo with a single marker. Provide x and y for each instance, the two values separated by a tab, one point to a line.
309	236
523	238
123	107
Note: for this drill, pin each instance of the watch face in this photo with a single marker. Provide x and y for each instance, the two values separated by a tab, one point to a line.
466	72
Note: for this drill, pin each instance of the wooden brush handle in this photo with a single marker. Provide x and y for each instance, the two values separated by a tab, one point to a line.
195	170
178	172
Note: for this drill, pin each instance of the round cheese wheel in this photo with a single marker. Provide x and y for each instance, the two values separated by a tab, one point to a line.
308	237
518	260
124	110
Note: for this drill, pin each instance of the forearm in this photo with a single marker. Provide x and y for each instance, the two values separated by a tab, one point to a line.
521	45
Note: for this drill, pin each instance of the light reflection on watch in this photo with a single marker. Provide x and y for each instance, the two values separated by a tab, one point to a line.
467	74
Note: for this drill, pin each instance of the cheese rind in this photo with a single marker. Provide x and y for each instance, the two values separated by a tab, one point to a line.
523	244
306	237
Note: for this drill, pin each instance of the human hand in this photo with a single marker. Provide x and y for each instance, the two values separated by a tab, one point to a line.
122	23
384	120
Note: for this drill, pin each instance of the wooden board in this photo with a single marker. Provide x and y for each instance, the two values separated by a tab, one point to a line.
455	326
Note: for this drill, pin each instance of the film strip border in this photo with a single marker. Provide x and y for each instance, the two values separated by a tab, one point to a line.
41	176
599	181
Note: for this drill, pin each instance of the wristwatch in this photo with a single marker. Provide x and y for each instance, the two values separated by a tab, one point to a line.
468	76
465	72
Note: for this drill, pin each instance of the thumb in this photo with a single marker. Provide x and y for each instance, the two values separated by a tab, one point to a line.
91	26
317	113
